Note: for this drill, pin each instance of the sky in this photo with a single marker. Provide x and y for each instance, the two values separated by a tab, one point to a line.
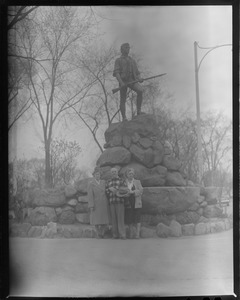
164	37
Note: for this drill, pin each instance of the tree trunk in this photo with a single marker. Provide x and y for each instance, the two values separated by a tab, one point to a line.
48	169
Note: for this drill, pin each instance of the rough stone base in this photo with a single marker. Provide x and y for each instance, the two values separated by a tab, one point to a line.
77	230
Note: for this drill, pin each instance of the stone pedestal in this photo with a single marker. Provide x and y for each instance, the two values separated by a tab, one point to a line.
168	200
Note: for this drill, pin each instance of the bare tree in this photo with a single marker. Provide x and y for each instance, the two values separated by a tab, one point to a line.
63	161
216	141
18	103
101	107
17	14
54	85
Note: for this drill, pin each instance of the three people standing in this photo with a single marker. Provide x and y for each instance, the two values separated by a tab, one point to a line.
117	199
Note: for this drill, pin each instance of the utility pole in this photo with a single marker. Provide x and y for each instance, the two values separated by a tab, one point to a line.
197	67
200	160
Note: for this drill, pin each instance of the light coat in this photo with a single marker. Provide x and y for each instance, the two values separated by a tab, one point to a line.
97	200
138	193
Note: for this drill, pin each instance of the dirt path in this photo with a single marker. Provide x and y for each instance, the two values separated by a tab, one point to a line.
200	265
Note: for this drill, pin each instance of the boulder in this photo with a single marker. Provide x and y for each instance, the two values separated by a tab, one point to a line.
213	227
72	202
175	179
212	194
162	230
113	156
83	199
157	145
50	233
202	219
169	200
159	170
137	153
200	211
70	231
144	125
202	190
19	230
157	157
201	199
187	217
188	229
58	211
40	216
67	217
147	232
135	137
52	226
81	208
189	183
148	158
171	163
76	232
89	232
200	228
65	232
145	142
67	207
115	141
70	191
126	141
212	211
35	231
220	226
175	229
154	180
83	218
154	220
194	207
212	201
203	204
48	197
82	185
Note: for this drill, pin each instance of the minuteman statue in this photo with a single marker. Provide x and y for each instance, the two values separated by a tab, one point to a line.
126	70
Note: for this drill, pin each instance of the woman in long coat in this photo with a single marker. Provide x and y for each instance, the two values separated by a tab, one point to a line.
98	204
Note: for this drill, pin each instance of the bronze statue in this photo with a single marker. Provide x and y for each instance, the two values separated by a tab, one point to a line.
126	71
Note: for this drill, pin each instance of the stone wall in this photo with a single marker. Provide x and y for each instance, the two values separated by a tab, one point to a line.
173	229
63	213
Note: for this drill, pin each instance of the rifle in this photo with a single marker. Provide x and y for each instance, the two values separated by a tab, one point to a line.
135	81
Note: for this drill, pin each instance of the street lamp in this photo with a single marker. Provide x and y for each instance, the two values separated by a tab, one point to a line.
197	67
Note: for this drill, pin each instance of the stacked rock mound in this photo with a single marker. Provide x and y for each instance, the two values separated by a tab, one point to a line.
56	213
172	205
137	144
168	197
